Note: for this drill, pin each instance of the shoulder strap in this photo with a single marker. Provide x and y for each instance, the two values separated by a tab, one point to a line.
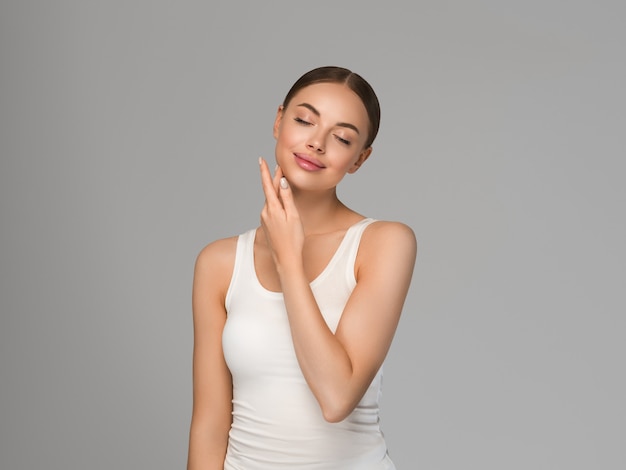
353	242
243	256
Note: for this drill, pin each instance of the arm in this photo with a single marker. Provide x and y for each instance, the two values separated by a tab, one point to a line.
339	367
212	384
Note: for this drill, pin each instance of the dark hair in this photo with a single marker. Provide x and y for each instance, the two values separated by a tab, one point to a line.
331	74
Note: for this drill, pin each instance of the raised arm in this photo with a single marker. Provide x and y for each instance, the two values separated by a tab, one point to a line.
339	367
212	384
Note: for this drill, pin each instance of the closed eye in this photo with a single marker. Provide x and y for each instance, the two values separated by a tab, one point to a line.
302	121
342	140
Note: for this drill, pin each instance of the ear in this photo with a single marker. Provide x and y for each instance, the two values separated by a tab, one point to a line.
364	155
279	117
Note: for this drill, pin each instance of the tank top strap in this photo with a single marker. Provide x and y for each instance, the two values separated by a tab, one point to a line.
352	243
244	262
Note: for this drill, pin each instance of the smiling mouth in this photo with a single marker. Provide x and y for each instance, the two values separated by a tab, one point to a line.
307	162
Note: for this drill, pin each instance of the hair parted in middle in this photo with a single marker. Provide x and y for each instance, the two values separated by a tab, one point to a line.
333	74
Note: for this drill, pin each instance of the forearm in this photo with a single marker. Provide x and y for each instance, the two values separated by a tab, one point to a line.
323	360
206	450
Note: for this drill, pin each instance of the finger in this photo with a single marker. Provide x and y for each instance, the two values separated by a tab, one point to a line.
271	195
286	196
278	173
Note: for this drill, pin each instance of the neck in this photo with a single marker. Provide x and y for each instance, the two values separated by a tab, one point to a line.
318	211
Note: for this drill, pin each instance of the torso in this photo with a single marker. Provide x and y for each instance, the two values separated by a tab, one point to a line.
273	406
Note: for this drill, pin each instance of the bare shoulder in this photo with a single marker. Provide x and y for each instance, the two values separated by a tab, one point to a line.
217	253
215	263
387	244
388	236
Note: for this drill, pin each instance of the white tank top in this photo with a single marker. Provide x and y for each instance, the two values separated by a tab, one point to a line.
277	422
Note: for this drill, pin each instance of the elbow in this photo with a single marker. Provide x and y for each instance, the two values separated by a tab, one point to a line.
334	416
336	412
338	402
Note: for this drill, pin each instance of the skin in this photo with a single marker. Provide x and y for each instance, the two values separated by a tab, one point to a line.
302	224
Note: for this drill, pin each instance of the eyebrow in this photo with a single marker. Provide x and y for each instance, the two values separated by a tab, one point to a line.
317	113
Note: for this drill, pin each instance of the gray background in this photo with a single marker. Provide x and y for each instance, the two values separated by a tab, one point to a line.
129	135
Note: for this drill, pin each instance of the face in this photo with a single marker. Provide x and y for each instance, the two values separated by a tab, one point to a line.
320	136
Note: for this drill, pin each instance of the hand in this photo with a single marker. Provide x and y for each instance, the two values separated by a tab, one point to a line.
280	218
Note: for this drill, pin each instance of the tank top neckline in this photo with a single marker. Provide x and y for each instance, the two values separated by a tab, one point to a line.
321	275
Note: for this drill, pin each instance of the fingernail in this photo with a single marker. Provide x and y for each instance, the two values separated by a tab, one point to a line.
260	160
275	168
283	183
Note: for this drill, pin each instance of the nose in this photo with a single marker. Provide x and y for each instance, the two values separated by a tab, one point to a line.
315	144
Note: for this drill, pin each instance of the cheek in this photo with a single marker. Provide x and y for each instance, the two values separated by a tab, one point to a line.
287	135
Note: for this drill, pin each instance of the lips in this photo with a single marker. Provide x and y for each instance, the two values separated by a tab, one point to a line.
307	162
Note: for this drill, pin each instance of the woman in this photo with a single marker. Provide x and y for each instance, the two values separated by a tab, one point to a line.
293	319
